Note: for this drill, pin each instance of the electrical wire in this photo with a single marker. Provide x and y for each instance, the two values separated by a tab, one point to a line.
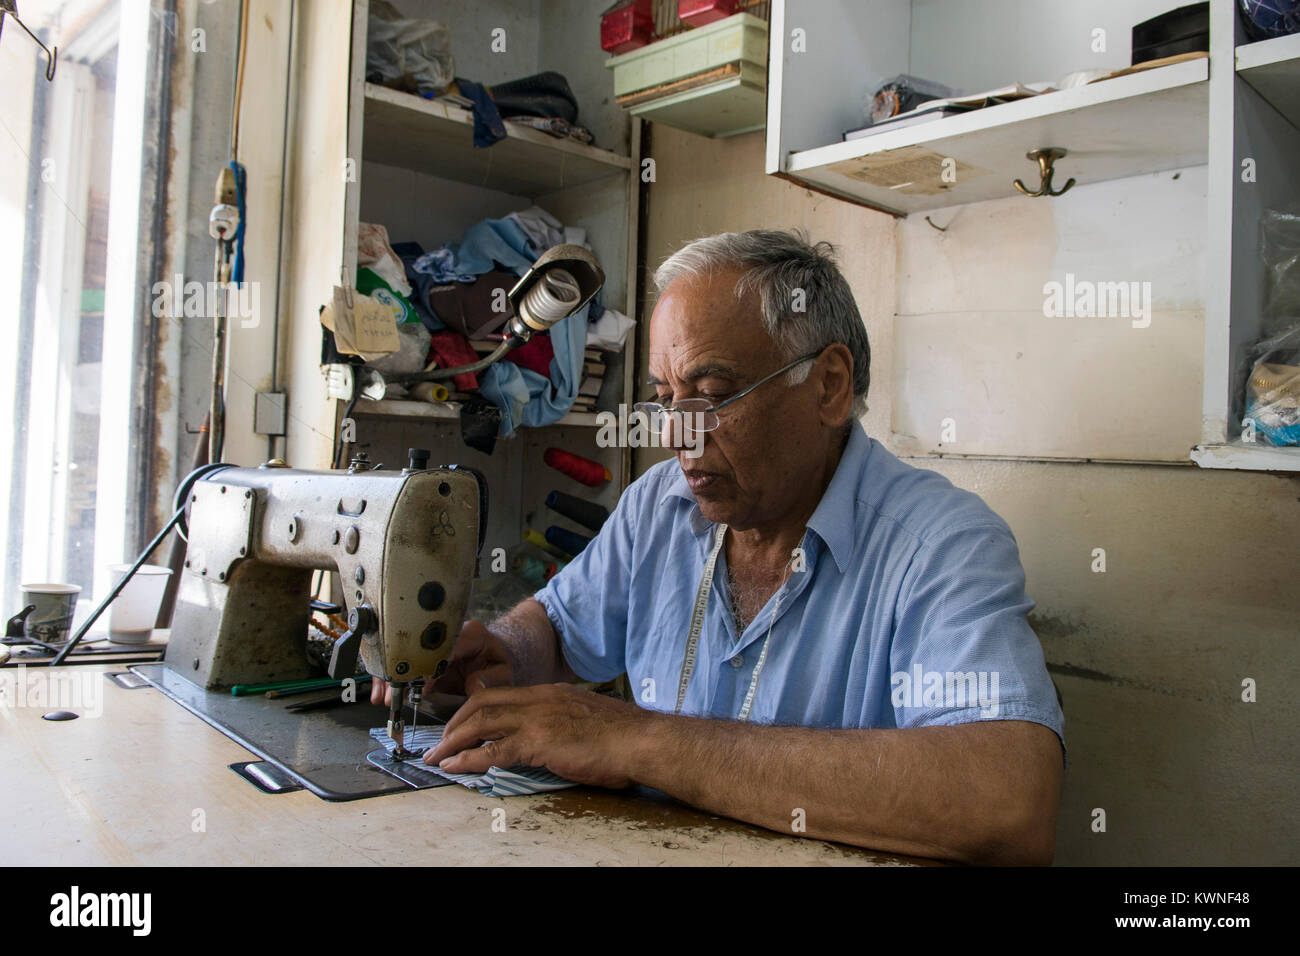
239	79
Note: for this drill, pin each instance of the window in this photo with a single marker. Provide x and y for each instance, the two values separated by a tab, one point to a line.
77	226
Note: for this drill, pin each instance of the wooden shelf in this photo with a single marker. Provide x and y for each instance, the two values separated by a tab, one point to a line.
1141	123
1259	457
438	139
449	412
1272	67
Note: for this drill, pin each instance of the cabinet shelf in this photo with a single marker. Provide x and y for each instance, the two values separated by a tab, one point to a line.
437	139
1241	457
1272	67
449	412
1126	126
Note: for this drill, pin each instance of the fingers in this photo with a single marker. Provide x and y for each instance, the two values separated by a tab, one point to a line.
493	753
489	715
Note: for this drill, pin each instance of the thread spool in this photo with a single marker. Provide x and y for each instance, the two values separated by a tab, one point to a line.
429	391
586	513
537	540
582	470
567	540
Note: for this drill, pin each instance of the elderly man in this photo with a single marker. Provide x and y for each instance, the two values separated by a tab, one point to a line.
820	639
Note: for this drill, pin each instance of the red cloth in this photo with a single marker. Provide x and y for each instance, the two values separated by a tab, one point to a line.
450	349
534	355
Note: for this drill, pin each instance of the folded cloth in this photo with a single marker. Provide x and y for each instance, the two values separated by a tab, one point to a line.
542	94
494	243
497	782
554	126
610	331
451	349
542	229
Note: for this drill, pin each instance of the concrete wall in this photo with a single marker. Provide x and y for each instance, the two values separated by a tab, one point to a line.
1198	592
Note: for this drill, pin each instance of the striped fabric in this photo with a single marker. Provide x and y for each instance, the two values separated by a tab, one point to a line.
497	782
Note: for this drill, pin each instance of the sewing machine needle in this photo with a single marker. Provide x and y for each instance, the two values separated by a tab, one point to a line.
415	709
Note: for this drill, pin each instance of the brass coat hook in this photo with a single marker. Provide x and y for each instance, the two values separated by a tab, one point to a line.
1045	158
11	7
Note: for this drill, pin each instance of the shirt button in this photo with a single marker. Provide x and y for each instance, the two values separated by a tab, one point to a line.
738	661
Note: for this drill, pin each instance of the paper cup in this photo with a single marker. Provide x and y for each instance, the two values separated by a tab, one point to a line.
51	618
132	614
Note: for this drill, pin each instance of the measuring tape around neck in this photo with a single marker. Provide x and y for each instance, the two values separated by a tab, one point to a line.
697	625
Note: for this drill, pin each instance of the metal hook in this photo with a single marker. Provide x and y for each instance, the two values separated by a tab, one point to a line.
11	7
1046	158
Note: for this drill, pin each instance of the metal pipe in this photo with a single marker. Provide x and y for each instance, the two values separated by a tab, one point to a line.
440	374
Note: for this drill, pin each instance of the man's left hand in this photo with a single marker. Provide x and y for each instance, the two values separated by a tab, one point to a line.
582	736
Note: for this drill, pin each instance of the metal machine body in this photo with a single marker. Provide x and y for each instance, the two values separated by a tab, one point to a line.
404	544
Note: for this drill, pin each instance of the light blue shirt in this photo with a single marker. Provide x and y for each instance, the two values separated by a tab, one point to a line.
910	610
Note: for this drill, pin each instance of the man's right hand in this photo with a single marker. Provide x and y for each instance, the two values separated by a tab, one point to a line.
479	660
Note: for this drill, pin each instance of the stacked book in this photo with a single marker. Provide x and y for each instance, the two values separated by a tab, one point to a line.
593	377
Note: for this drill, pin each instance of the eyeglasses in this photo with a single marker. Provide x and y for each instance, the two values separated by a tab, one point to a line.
697	414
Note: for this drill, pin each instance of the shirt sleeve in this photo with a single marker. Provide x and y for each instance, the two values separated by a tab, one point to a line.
587	601
963	649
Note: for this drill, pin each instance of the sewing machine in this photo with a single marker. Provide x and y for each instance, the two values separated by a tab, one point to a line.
404	544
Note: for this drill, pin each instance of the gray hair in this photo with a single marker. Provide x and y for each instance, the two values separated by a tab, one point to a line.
805	301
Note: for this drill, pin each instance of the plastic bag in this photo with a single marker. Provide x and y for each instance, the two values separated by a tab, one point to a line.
1273	391
410	55
1279	243
411	356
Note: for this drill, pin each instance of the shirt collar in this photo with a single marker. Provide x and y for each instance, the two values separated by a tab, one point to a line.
834	520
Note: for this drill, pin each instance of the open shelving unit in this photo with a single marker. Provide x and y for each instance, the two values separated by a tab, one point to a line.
415	171
431	142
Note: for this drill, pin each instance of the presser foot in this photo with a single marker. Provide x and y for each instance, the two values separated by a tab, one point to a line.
400	754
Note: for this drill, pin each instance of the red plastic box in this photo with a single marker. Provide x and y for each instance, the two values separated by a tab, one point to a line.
699	12
627	27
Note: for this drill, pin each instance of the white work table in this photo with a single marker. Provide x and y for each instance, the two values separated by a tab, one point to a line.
123	788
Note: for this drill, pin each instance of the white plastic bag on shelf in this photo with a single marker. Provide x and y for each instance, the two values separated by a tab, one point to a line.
411	55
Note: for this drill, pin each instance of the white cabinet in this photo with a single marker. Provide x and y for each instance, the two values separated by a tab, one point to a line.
1127	139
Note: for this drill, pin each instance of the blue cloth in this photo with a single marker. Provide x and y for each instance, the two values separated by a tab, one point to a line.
910	585
440	266
488	127
492	241
528	399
